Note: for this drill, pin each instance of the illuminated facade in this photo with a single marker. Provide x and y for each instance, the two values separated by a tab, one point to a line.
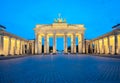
59	29
11	44
108	43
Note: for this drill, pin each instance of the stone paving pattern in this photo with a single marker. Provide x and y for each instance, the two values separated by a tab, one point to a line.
60	69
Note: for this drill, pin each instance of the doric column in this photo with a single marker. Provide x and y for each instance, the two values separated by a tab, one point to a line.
65	43
48	44
71	43
95	47
108	42
9	46
15	47
1	44
20	46
103	47
45	44
23	47
39	44
54	43
36	44
74	43
116	43
80	43
98	46
32	45
83	43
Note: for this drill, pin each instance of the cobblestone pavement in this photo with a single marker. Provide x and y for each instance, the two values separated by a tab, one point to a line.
60	69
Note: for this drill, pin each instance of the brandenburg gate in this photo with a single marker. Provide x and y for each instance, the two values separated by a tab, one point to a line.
59	29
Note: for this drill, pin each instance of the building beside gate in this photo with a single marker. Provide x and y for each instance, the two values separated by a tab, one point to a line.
11	44
108	43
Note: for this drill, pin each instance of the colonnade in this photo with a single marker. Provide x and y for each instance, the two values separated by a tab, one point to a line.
12	46
106	45
38	43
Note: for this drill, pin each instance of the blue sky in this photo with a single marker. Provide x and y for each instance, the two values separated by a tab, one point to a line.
21	16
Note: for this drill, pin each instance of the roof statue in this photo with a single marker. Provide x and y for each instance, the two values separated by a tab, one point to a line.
59	19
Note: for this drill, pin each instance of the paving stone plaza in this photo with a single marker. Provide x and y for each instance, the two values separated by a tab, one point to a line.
60	68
